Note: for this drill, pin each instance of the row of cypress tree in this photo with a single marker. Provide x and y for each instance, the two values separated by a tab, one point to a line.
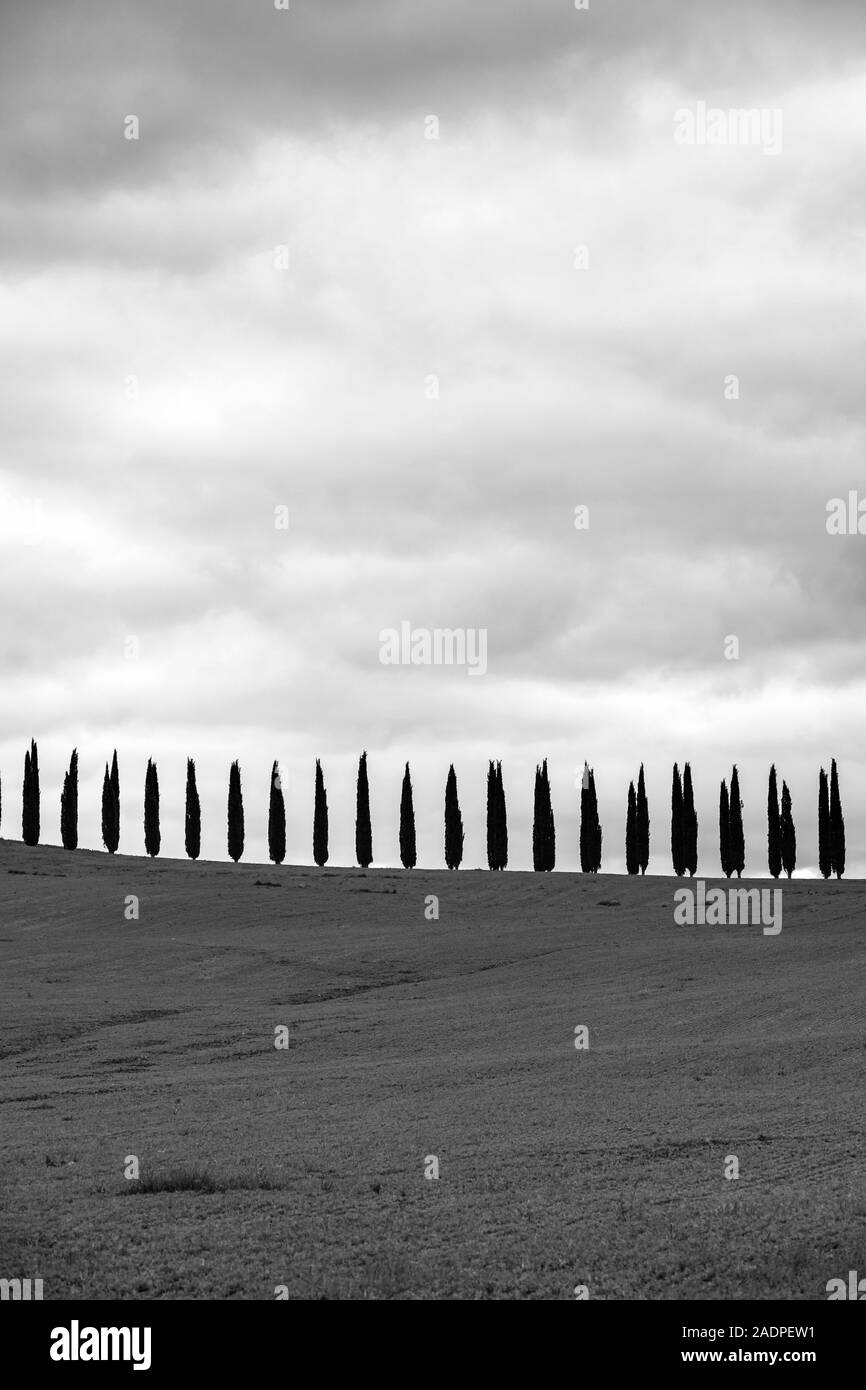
781	833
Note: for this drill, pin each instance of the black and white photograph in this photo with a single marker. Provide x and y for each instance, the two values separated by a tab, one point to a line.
433	701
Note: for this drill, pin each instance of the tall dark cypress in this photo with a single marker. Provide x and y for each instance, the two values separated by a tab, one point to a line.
596	825
837	825
690	824
501	821
587	831
363	829
26	802
825	853
737	840
642	823
550	832
543	829
276	819
111	806
788	836
677	839
320	820
235	814
632	862
69	805
151	811
408	856
107	831
192	820
30	802
725	830
453	823
774	826
492	817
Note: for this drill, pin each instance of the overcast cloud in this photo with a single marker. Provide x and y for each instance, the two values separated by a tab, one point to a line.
166	387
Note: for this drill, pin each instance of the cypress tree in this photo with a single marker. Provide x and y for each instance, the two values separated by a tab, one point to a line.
276	819
453	823
320	819
69	805
407	823
111	807
192	825
677	837
590	828
837	825
151	810
788	836
690	824
501	821
363	829
550	838
587	836
235	814
737	841
774	826
725	830
642	823
107	838
632	862
825	854
543	829
492	817
30	798
596	825
26	832
538	830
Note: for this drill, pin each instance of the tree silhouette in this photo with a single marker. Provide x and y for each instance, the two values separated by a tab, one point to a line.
825	852
837	825
690	824
788	836
453	823
69	805
363	829
192	820
408	856
725	830
320	819
276	818
235	814
501	821
30	800
774	826
543	829
642	823
677	837
632	862
151	811
590	828
737	841
111	806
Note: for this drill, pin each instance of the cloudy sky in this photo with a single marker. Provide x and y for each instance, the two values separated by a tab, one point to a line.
339	272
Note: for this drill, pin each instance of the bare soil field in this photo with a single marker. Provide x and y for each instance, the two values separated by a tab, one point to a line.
409	1039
